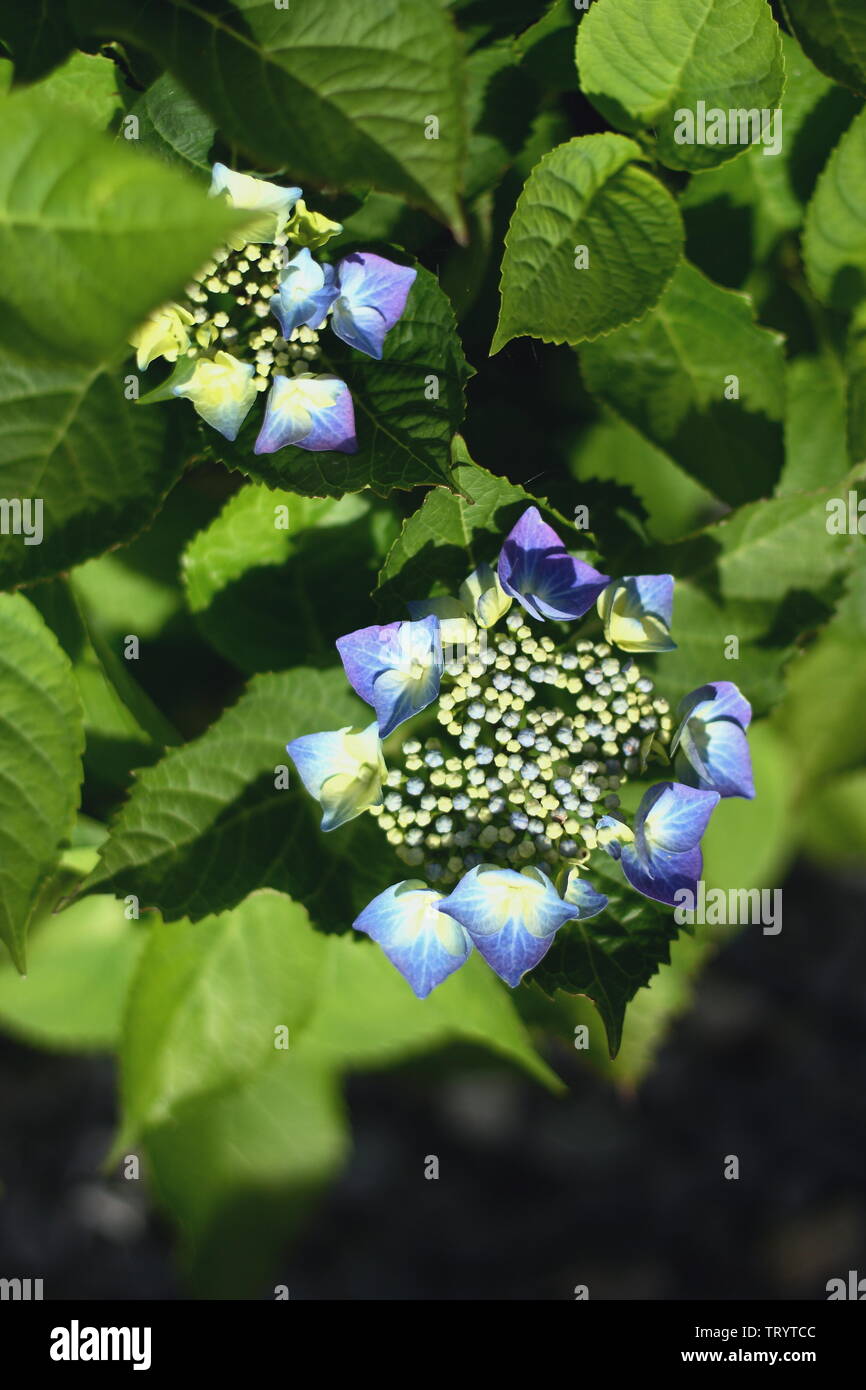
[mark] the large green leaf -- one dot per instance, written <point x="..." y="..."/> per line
<point x="815" y="423"/>
<point x="736" y="214"/>
<point x="822" y="714"/>
<point x="367" y="1016"/>
<point x="70" y="439"/>
<point x="80" y="965"/>
<point x="833" y="33"/>
<point x="208" y="1001"/>
<point x="407" y="408"/>
<point x="641" y="63"/>
<point x="239" y="1171"/>
<point x="270" y="596"/>
<point x="212" y="1001"/>
<point x="93" y="238"/>
<point x="670" y="375"/>
<point x="207" y="825"/>
<point x="587" y="194"/>
<point x="337" y="93"/>
<point x="834" y="243"/>
<point x="41" y="741"/>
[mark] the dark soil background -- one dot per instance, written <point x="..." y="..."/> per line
<point x="625" y="1194"/>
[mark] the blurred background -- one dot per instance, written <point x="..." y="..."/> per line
<point x="616" y="1186"/>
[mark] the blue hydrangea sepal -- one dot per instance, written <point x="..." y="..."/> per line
<point x="535" y="568"/>
<point x="423" y="942"/>
<point x="511" y="917"/>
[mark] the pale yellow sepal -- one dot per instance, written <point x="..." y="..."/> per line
<point x="484" y="596"/>
<point x="164" y="334"/>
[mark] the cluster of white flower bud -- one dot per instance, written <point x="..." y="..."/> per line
<point x="229" y="301"/>
<point x="536" y="743"/>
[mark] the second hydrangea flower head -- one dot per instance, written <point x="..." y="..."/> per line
<point x="252" y="319"/>
<point x="501" y="808"/>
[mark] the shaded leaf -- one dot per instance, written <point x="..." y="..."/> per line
<point x="41" y="741"/>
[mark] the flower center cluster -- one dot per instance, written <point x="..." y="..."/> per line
<point x="536" y="744"/>
<point x="230" y="298"/>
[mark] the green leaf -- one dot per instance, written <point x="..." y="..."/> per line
<point x="70" y="439"/>
<point x="94" y="238"/>
<point x="172" y="126"/>
<point x="239" y="1171"/>
<point x="81" y="961"/>
<point x="501" y="102"/>
<point x="367" y="1016"/>
<point x="834" y="242"/>
<point x="833" y="33"/>
<point x="822" y="714"/>
<point x="123" y="729"/>
<point x="86" y="84"/>
<point x="640" y="66"/>
<point x="208" y="1001"/>
<point x="736" y="214"/>
<point x="337" y="93"/>
<point x="670" y="375"/>
<point x="37" y="35"/>
<point x="41" y="741"/>
<point x="407" y="408"/>
<point x="207" y="825"/>
<point x="268" y="595"/>
<point x="450" y="533"/>
<point x="743" y="578"/>
<point x="815" y="423"/>
<point x="588" y="194"/>
<point x="609" y="957"/>
<point x="747" y="843"/>
<point x="833" y="821"/>
<point x="614" y="451"/>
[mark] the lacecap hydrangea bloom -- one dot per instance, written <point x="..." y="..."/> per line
<point x="498" y="812"/>
<point x="252" y="317"/>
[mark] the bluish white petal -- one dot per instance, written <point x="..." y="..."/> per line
<point x="672" y="817"/>
<point x="535" y="568"/>
<point x="395" y="667"/>
<point x="636" y="612"/>
<point x="418" y="938"/>
<point x="372" y="297"/>
<point x="664" y="874"/>
<point x="255" y="195"/>
<point x="313" y="412"/>
<point x="305" y="294"/>
<point x="716" y="700"/>
<point x="579" y="891"/>
<point x="717" y="755"/>
<point x="343" y="769"/>
<point x="511" y="917"/>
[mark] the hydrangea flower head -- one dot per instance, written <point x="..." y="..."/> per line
<point x="262" y="302"/>
<point x="507" y="754"/>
